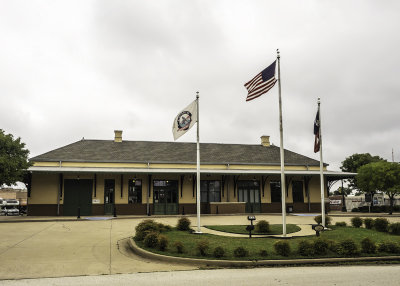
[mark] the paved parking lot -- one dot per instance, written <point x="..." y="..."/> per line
<point x="86" y="247"/>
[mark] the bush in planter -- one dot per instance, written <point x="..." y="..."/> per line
<point x="202" y="247"/>
<point x="394" y="228"/>
<point x="347" y="248"/>
<point x="368" y="246"/>
<point x="162" y="242"/>
<point x="151" y="239"/>
<point x="282" y="247"/>
<point x="240" y="252"/>
<point x="262" y="226"/>
<point x="305" y="248"/>
<point x="219" y="252"/>
<point x="183" y="224"/>
<point x="369" y="223"/>
<point x="321" y="246"/>
<point x="389" y="247"/>
<point x="145" y="227"/>
<point x="318" y="219"/>
<point x="179" y="247"/>
<point x="341" y="223"/>
<point x="263" y="253"/>
<point x="356" y="222"/>
<point x="381" y="224"/>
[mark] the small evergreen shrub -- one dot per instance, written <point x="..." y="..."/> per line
<point x="164" y="227"/>
<point x="347" y="248"/>
<point x="355" y="210"/>
<point x="356" y="222"/>
<point x="145" y="227"/>
<point x="389" y="247"/>
<point x="151" y="239"/>
<point x="263" y="253"/>
<point x="219" y="252"/>
<point x="332" y="245"/>
<point x="394" y="228"/>
<point x="202" y="247"/>
<point x="179" y="247"/>
<point x="321" y="246"/>
<point x="282" y="247"/>
<point x="262" y="226"/>
<point x="183" y="224"/>
<point x="240" y="252"/>
<point x="369" y="223"/>
<point x="305" y="248"/>
<point x="341" y="223"/>
<point x="318" y="219"/>
<point x="381" y="224"/>
<point x="368" y="246"/>
<point x="162" y="242"/>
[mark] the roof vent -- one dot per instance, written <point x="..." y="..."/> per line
<point x="118" y="136"/>
<point x="265" y="141"/>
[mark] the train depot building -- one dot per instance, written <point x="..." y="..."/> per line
<point x="100" y="177"/>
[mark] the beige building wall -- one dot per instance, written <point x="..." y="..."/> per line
<point x="44" y="189"/>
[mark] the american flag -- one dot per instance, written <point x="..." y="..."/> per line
<point x="317" y="143"/>
<point x="261" y="83"/>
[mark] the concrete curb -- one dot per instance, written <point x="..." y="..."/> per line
<point x="237" y="263"/>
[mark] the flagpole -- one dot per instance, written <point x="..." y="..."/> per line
<point x="283" y="183"/>
<point x="321" y="165"/>
<point x="198" y="166"/>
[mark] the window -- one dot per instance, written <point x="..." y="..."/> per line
<point x="249" y="191"/>
<point x="276" y="196"/>
<point x="297" y="190"/>
<point x="135" y="191"/>
<point x="210" y="191"/>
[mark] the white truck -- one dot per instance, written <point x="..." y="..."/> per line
<point x="9" y="207"/>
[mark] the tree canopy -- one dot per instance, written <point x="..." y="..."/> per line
<point x="354" y="162"/>
<point x="380" y="176"/>
<point x="13" y="159"/>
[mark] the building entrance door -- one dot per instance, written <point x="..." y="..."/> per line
<point x="165" y="194"/>
<point x="249" y="192"/>
<point x="109" y="196"/>
<point x="77" y="197"/>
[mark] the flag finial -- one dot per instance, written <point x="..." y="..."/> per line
<point x="197" y="94"/>
<point x="279" y="55"/>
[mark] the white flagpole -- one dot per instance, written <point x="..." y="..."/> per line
<point x="198" y="167"/>
<point x="283" y="183"/>
<point x="321" y="166"/>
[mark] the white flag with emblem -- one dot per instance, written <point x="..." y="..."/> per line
<point x="185" y="120"/>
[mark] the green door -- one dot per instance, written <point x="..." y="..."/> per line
<point x="249" y="192"/>
<point x="165" y="195"/>
<point x="109" y="196"/>
<point x="77" y="195"/>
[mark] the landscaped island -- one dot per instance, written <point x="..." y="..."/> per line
<point x="341" y="241"/>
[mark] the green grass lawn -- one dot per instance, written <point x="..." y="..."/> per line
<point x="241" y="229"/>
<point x="255" y="245"/>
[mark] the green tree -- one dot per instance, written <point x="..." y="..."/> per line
<point x="380" y="176"/>
<point x="13" y="159"/>
<point x="354" y="162"/>
<point x="338" y="192"/>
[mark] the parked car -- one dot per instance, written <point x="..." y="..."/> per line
<point x="10" y="210"/>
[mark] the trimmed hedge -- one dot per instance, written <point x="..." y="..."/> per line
<point x="282" y="247"/>
<point x="262" y="226"/>
<point x="381" y="224"/>
<point x="356" y="221"/>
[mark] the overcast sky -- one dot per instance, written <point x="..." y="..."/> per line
<point x="73" y="69"/>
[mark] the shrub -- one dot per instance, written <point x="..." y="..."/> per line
<point x="219" y="252"/>
<point x="341" y="223"/>
<point x="263" y="253"/>
<point x="145" y="227"/>
<point x="394" y="228"/>
<point x="355" y="210"/>
<point x="389" y="247"/>
<point x="305" y="248"/>
<point x="240" y="252"/>
<point x="262" y="226"/>
<point x="282" y="247"/>
<point x="369" y="223"/>
<point x="179" y="247"/>
<point x="151" y="239"/>
<point x="202" y="247"/>
<point x="381" y="224"/>
<point x="318" y="219"/>
<point x="183" y="224"/>
<point x="321" y="246"/>
<point x="347" y="248"/>
<point x="164" y="227"/>
<point x="368" y="246"/>
<point x="356" y="222"/>
<point x="162" y="242"/>
<point x="332" y="245"/>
